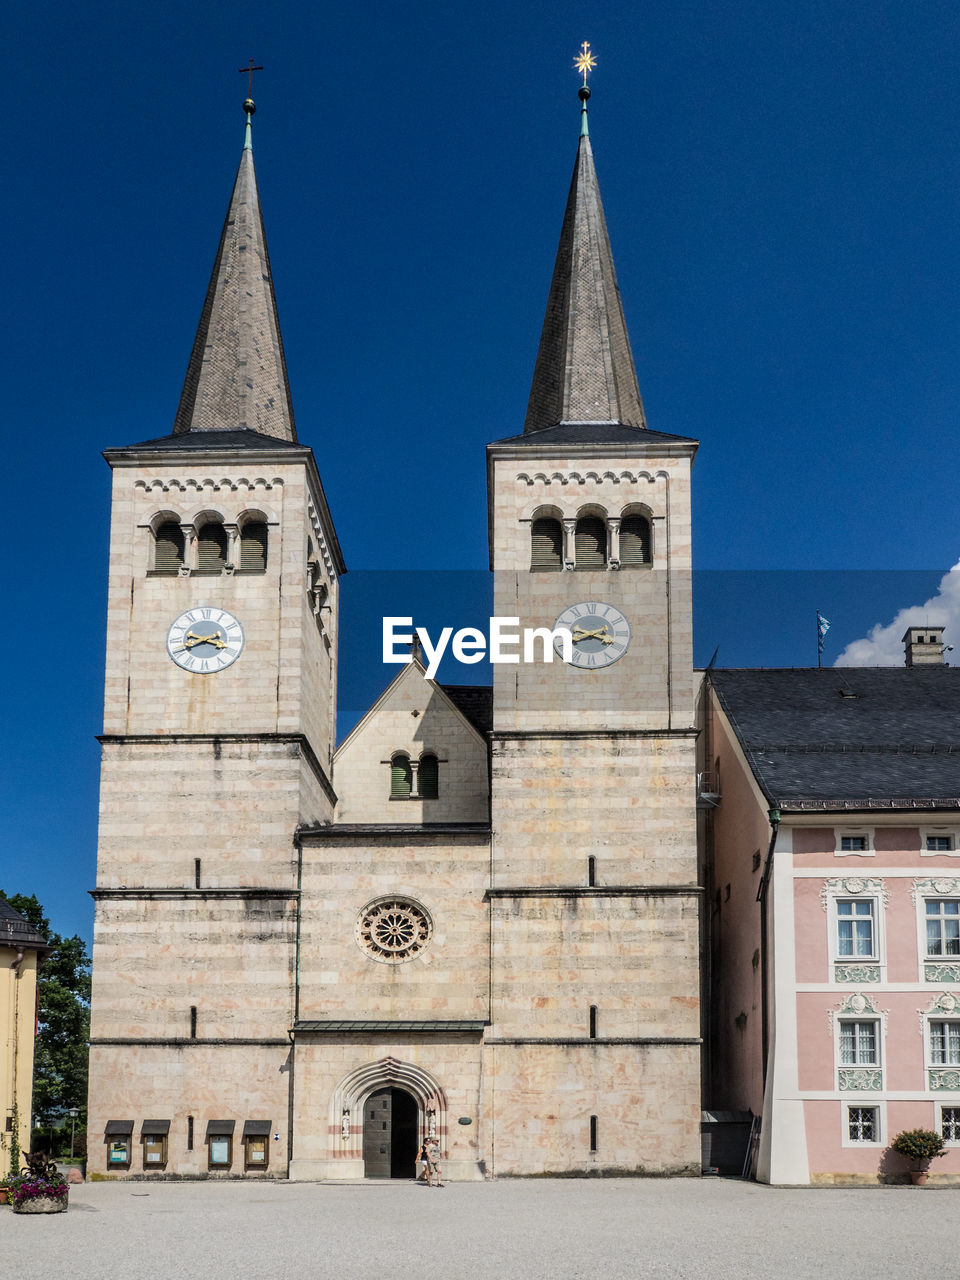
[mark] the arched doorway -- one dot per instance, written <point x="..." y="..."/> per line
<point x="390" y="1134"/>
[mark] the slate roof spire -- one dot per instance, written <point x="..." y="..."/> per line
<point x="237" y="374"/>
<point x="584" y="370"/>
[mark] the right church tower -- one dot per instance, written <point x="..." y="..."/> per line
<point x="594" y="894"/>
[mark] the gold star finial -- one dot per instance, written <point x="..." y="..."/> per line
<point x="585" y="61"/>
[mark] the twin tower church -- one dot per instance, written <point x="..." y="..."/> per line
<point x="478" y="917"/>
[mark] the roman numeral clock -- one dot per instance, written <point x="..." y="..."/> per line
<point x="601" y="634"/>
<point x="205" y="640"/>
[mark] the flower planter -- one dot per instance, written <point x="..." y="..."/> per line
<point x="919" y="1177"/>
<point x="41" y="1204"/>
<point x="4" y="1195"/>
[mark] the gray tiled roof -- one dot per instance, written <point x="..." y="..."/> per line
<point x="15" y="931"/>
<point x="194" y="439"/>
<point x="237" y="372"/>
<point x="568" y="433"/>
<point x="848" y="737"/>
<point x="584" y="370"/>
<point x="474" y="701"/>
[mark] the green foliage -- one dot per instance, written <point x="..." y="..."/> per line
<point x="63" y="998"/>
<point x="919" y="1144"/>
<point x="14" y="1166"/>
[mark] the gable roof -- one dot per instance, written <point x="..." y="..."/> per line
<point x="474" y="702"/>
<point x="848" y="737"/>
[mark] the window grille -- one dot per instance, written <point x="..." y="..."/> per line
<point x="546" y="545"/>
<point x="950" y="1124"/>
<point x="634" y="542"/>
<point x="168" y="555"/>
<point x="862" y="1122"/>
<point x="590" y="543"/>
<point x="253" y="547"/>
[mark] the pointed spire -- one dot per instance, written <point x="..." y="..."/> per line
<point x="237" y="374"/>
<point x="584" y="370"/>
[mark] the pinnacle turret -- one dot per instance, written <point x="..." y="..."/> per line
<point x="237" y="374"/>
<point x="584" y="370"/>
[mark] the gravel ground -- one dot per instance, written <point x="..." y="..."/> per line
<point x="545" y="1229"/>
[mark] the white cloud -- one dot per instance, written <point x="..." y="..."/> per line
<point x="883" y="647"/>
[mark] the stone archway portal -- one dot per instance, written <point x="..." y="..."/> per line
<point x="390" y="1130"/>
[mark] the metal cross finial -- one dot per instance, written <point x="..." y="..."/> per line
<point x="585" y="61"/>
<point x="249" y="70"/>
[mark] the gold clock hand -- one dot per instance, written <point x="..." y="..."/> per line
<point x="600" y="634"/>
<point x="192" y="638"/>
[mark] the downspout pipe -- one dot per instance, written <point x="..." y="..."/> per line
<point x="773" y="817"/>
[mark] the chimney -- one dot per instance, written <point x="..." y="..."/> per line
<point x="924" y="647"/>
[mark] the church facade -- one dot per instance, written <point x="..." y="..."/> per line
<point x="478" y="917"/>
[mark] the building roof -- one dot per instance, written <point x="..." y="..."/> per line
<point x="593" y="433"/>
<point x="474" y="702"/>
<point x="848" y="737"/>
<point x="16" y="932"/>
<point x="237" y="373"/>
<point x="584" y="370"/>
<point x="242" y="438"/>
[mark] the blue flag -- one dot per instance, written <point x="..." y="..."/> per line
<point x="823" y="626"/>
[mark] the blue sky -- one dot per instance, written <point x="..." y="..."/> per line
<point x="781" y="185"/>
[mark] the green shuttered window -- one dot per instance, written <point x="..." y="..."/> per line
<point x="401" y="776"/>
<point x="428" y="777"/>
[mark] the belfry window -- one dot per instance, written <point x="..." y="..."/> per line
<point x="168" y="548"/>
<point x="546" y="545"/>
<point x="590" y="543"/>
<point x="401" y="778"/>
<point x="428" y="777"/>
<point x="211" y="548"/>
<point x="634" y="542"/>
<point x="253" y="547"/>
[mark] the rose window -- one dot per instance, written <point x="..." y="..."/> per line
<point x="393" y="929"/>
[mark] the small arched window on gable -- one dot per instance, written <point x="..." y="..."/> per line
<point x="211" y="548"/>
<point x="591" y="543"/>
<point x="168" y="548"/>
<point x="401" y="778"/>
<point x="635" y="548"/>
<point x="546" y="545"/>
<point x="428" y="777"/>
<point x="253" y="547"/>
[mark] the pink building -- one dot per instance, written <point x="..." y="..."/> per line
<point x="830" y="803"/>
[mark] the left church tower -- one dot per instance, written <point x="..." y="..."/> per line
<point x="219" y="728"/>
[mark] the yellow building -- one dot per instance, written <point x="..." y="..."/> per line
<point x="21" y="947"/>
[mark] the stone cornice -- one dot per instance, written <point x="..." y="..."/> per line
<point x="299" y="739"/>
<point x="179" y="1042"/>
<point x="502" y="734"/>
<point x="598" y="891"/>
<point x="586" y="1042"/>
<point x="201" y="894"/>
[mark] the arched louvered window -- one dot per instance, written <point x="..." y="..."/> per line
<point x="211" y="548"/>
<point x="546" y="545"/>
<point x="428" y="777"/>
<point x="591" y="543"/>
<point x="634" y="541"/>
<point x="168" y="555"/>
<point x="401" y="777"/>
<point x="253" y="547"/>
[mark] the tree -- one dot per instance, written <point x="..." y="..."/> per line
<point x="63" y="1016"/>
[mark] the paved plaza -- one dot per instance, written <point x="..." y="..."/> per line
<point x="543" y="1229"/>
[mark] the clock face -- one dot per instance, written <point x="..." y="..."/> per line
<point x="600" y="633"/>
<point x="204" y="640"/>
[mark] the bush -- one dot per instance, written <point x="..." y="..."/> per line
<point x="919" y="1144"/>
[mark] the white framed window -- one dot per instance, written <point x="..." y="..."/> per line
<point x="854" y="842"/>
<point x="938" y="840"/>
<point x="949" y="1125"/>
<point x="942" y="927"/>
<point x="862" y="1126"/>
<point x="943" y="1042"/>
<point x="856" y="937"/>
<point x="859" y="1043"/>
